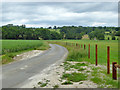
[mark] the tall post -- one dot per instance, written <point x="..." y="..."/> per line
<point x="108" y="60"/>
<point x="114" y="71"/>
<point x="76" y="44"/>
<point x="96" y="54"/>
<point x="84" y="46"/>
<point x="81" y="45"/>
<point x="89" y="51"/>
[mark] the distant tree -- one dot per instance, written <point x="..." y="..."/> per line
<point x="11" y="31"/>
<point x="100" y="36"/>
<point x="49" y="27"/>
<point x="113" y="37"/>
<point x="54" y="27"/>
<point x="118" y="33"/>
<point x="91" y="35"/>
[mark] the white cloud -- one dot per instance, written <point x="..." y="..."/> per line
<point x="50" y="14"/>
<point x="98" y="24"/>
<point x="60" y="1"/>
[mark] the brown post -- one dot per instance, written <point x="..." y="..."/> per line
<point x="84" y="46"/>
<point x="114" y="71"/>
<point x="89" y="51"/>
<point x="108" y="60"/>
<point x="76" y="44"/>
<point x="96" y="54"/>
<point x="81" y="45"/>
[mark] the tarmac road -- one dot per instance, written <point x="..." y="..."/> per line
<point x="14" y="74"/>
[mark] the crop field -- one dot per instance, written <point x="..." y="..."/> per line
<point x="19" y="45"/>
<point x="102" y="49"/>
<point x="11" y="48"/>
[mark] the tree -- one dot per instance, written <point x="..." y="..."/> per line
<point x="54" y="27"/>
<point x="100" y="36"/>
<point x="49" y="27"/>
<point x="113" y="37"/>
<point x="118" y="33"/>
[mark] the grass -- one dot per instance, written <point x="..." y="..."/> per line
<point x="102" y="49"/>
<point x="56" y="86"/>
<point x="98" y="75"/>
<point x="75" y="77"/>
<point x="103" y="79"/>
<point x="11" y="48"/>
<point x="43" y="85"/>
<point x="81" y="69"/>
<point x="76" y="66"/>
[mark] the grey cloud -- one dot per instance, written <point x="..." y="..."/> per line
<point x="59" y="13"/>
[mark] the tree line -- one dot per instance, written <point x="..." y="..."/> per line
<point x="11" y="31"/>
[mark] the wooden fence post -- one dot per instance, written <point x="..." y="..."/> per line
<point x="96" y="54"/>
<point x="108" y="60"/>
<point x="114" y="71"/>
<point x="76" y="44"/>
<point x="81" y="45"/>
<point x="89" y="51"/>
<point x="84" y="46"/>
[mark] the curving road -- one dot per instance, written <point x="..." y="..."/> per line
<point x="16" y="73"/>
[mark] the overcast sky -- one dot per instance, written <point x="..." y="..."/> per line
<point x="38" y="14"/>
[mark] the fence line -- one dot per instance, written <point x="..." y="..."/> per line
<point x="114" y="64"/>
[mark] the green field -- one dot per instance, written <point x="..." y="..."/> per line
<point x="19" y="45"/>
<point x="11" y="48"/>
<point x="98" y="74"/>
<point x="102" y="49"/>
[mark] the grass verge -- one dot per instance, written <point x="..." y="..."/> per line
<point x="96" y="74"/>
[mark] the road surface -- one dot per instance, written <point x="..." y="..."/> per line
<point x="16" y="73"/>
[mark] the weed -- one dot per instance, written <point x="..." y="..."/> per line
<point x="81" y="69"/>
<point x="39" y="83"/>
<point x="56" y="86"/>
<point x="75" y="77"/>
<point x="43" y="85"/>
<point x="81" y="83"/>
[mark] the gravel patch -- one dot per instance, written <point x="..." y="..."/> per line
<point x="27" y="55"/>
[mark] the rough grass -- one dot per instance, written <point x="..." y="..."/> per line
<point x="75" y="77"/>
<point x="100" y="77"/>
<point x="102" y="49"/>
